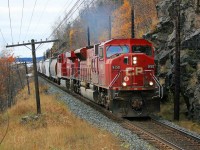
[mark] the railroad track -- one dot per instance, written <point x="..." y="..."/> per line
<point x="151" y="130"/>
<point x="173" y="137"/>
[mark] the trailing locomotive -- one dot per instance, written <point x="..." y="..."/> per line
<point x="118" y="74"/>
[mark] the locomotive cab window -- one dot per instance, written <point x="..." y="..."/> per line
<point x="142" y="49"/>
<point x="100" y="52"/>
<point x="116" y="50"/>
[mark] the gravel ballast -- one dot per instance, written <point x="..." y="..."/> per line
<point x="99" y="120"/>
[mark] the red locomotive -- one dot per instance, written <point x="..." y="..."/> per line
<point x="118" y="74"/>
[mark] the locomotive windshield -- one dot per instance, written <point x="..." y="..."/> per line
<point x="116" y="50"/>
<point x="142" y="49"/>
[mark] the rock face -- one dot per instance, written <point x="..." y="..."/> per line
<point x="163" y="38"/>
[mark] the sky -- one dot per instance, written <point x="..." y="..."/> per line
<point x="40" y="26"/>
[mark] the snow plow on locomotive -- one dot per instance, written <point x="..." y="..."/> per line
<point x="118" y="74"/>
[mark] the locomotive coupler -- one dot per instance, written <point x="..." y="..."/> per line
<point x="136" y="103"/>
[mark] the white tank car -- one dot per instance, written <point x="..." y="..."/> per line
<point x="53" y="68"/>
<point x="47" y="69"/>
<point x="40" y="66"/>
<point x="43" y="68"/>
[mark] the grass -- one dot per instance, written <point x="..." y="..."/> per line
<point x="55" y="129"/>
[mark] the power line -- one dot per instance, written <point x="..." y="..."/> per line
<point x="3" y="36"/>
<point x="41" y="15"/>
<point x="63" y="11"/>
<point x="70" y="2"/>
<point x="10" y="20"/>
<point x="21" y="20"/>
<point x="31" y="18"/>
<point x="66" y="17"/>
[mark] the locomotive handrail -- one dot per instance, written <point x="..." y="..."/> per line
<point x="159" y="85"/>
<point x="116" y="77"/>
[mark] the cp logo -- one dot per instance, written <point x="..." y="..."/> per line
<point x="131" y="71"/>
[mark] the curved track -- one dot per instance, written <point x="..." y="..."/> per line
<point x="173" y="137"/>
<point x="150" y="130"/>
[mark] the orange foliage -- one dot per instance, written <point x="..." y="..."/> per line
<point x="5" y="63"/>
<point x="11" y="59"/>
<point x="121" y="27"/>
<point x="145" y="18"/>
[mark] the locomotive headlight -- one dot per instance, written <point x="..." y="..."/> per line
<point x="124" y="83"/>
<point x="134" y="60"/>
<point x="151" y="83"/>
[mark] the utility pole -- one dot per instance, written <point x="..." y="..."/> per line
<point x="88" y="35"/>
<point x="177" y="63"/>
<point x="132" y="20"/>
<point x="34" y="68"/>
<point x="37" y="93"/>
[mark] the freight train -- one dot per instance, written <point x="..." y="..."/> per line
<point x="118" y="74"/>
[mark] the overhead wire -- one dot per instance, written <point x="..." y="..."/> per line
<point x="10" y="20"/>
<point x="31" y="19"/>
<point x="62" y="10"/>
<point x="45" y="6"/>
<point x="66" y="17"/>
<point x="21" y="20"/>
<point x="81" y="12"/>
<point x="70" y="2"/>
<point x="3" y="37"/>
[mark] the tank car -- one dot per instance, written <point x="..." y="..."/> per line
<point x="53" y="70"/>
<point x="46" y="66"/>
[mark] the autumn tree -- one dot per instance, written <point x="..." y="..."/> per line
<point x="121" y="27"/>
<point x="145" y="16"/>
<point x="73" y="35"/>
<point x="12" y="75"/>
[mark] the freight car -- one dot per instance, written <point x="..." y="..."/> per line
<point x="118" y="74"/>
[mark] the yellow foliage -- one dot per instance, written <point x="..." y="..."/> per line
<point x="72" y="37"/>
<point x="145" y="18"/>
<point x="122" y="21"/>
